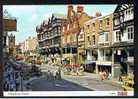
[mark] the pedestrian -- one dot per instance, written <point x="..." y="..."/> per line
<point x="120" y="78"/>
<point x="109" y="77"/>
<point x="104" y="75"/>
<point x="55" y="74"/>
<point x="48" y="75"/>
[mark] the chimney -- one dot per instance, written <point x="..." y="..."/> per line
<point x="80" y="9"/>
<point x="70" y="9"/>
<point x="98" y="14"/>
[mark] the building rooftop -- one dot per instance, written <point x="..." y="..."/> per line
<point x="59" y="16"/>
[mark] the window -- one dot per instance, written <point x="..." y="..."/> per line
<point x="93" y="24"/>
<point x="126" y="12"/>
<point x="63" y="29"/>
<point x="100" y="24"/>
<point x="101" y="37"/>
<point x="106" y="36"/>
<point x="88" y="26"/>
<point x="74" y="25"/>
<point x="116" y="21"/>
<point x="88" y="38"/>
<point x="107" y="22"/>
<point x="59" y="29"/>
<point x="93" y="37"/>
<point x="130" y="33"/>
<point x="71" y="38"/>
<point x="118" y="36"/>
<point x="81" y="36"/>
<point x="68" y="27"/>
<point x="89" y="41"/>
<point x="121" y="18"/>
<point x="129" y="12"/>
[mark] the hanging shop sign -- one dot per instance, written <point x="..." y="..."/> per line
<point x="10" y="25"/>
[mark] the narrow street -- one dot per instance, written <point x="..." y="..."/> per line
<point x="88" y="82"/>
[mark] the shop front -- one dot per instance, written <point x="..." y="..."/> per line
<point x="123" y="59"/>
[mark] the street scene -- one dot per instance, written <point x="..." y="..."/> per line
<point x="68" y="47"/>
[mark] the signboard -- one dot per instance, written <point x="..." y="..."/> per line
<point x="10" y="25"/>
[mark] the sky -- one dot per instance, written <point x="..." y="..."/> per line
<point x="29" y="16"/>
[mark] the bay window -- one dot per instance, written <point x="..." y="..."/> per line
<point x="130" y="31"/>
<point x="103" y="37"/>
<point x="118" y="36"/>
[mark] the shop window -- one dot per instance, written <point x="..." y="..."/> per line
<point x="131" y="52"/>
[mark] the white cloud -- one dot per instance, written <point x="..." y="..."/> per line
<point x="34" y="18"/>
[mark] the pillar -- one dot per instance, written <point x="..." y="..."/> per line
<point x="128" y="66"/>
<point x="112" y="67"/>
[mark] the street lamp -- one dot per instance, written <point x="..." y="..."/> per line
<point x="21" y="80"/>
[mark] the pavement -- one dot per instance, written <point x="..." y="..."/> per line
<point x="93" y="81"/>
<point x="43" y="84"/>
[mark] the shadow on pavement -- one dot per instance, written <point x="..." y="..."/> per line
<point x="56" y="85"/>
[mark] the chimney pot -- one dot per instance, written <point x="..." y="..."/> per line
<point x="80" y="9"/>
<point x="70" y="9"/>
<point x="98" y="14"/>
